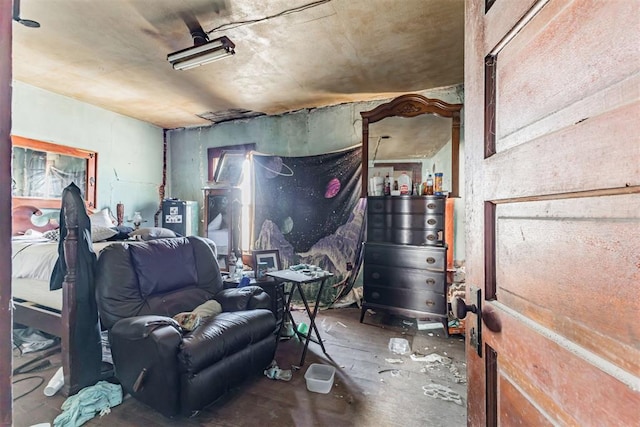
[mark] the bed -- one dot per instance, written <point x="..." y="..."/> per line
<point x="34" y="256"/>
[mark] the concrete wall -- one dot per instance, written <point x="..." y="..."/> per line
<point x="300" y="133"/>
<point x="129" y="150"/>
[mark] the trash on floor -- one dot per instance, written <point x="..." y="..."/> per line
<point x="457" y="376"/>
<point x="275" y="373"/>
<point x="424" y="325"/>
<point x="394" y="372"/>
<point x="29" y="340"/>
<point x="394" y="361"/>
<point x="55" y="383"/>
<point x="431" y="358"/>
<point x="438" y="391"/>
<point x="399" y="346"/>
<point x="319" y="378"/>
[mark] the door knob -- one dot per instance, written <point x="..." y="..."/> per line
<point x="491" y="319"/>
<point x="461" y="308"/>
<point x="488" y="315"/>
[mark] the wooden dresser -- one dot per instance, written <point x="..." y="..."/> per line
<point x="405" y="257"/>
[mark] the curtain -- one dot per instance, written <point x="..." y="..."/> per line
<point x="309" y="208"/>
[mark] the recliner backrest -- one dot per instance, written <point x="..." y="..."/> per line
<point x="162" y="277"/>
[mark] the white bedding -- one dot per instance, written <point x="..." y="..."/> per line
<point x="32" y="263"/>
<point x="221" y="238"/>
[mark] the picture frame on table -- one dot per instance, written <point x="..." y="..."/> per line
<point x="270" y="256"/>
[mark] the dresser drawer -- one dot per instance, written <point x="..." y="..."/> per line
<point x="419" y="257"/>
<point x="418" y="205"/>
<point x="378" y="204"/>
<point x="420" y="221"/>
<point x="405" y="236"/>
<point x="379" y="220"/>
<point x="378" y="235"/>
<point x="424" y="301"/>
<point x="404" y="278"/>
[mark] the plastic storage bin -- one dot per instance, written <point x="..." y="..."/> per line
<point x="319" y="378"/>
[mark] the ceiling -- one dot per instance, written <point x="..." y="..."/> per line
<point x="290" y="54"/>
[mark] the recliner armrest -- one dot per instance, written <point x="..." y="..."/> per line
<point x="245" y="298"/>
<point x="140" y="327"/>
<point x="145" y="356"/>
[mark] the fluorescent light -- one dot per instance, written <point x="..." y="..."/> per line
<point x="202" y="54"/>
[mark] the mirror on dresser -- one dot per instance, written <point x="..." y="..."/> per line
<point x="409" y="244"/>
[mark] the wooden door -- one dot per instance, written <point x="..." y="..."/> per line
<point x="552" y="145"/>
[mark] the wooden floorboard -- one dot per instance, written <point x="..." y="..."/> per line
<point x="369" y="388"/>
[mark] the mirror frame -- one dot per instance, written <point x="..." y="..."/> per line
<point x="54" y="203"/>
<point x="412" y="105"/>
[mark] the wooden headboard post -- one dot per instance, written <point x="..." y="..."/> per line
<point x="69" y="299"/>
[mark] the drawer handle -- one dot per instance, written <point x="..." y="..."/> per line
<point x="430" y="303"/>
<point x="431" y="221"/>
<point x="431" y="237"/>
<point x="375" y="295"/>
<point x="431" y="281"/>
<point x="431" y="206"/>
<point x="431" y="260"/>
<point x="376" y="275"/>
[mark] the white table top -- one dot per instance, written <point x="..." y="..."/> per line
<point x="299" y="276"/>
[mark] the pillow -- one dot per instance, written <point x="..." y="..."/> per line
<point x="101" y="219"/>
<point x="52" y="234"/>
<point x="151" y="233"/>
<point x="99" y="234"/>
<point x="122" y="232"/>
<point x="216" y="223"/>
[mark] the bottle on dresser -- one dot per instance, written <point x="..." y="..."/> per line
<point x="429" y="188"/>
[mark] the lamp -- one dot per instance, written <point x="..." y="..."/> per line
<point x="201" y="54"/>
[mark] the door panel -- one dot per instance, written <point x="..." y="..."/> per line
<point x="599" y="153"/>
<point x="517" y="407"/>
<point x="565" y="381"/>
<point x="552" y="147"/>
<point x="554" y="263"/>
<point x="566" y="36"/>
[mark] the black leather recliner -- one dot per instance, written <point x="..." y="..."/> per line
<point x="140" y="286"/>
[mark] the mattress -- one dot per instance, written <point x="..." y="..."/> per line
<point x="32" y="263"/>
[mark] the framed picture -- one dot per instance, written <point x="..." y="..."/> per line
<point x="229" y="168"/>
<point x="270" y="257"/>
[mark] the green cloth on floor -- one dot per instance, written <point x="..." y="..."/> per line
<point x="81" y="407"/>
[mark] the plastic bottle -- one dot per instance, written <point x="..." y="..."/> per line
<point x="430" y="185"/>
<point x="232" y="265"/>
<point x="404" y="184"/>
<point x="239" y="267"/>
<point x="387" y="185"/>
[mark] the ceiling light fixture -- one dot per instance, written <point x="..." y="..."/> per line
<point x="203" y="52"/>
<point x="26" y="22"/>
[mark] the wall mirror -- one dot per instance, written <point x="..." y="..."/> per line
<point x="41" y="170"/>
<point x="415" y="134"/>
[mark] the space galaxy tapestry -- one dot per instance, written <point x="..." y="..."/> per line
<point x="309" y="208"/>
